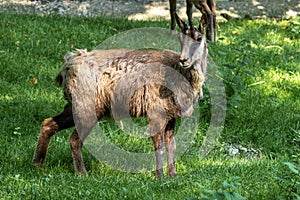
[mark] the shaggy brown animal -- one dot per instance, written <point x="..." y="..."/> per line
<point x="208" y="10"/>
<point x="165" y="85"/>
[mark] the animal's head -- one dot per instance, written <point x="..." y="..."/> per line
<point x="193" y="44"/>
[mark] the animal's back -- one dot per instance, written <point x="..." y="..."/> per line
<point x="118" y="76"/>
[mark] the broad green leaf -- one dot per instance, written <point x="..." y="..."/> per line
<point x="228" y="195"/>
<point x="222" y="53"/>
<point x="249" y="72"/>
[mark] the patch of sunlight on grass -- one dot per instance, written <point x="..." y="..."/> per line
<point x="281" y="83"/>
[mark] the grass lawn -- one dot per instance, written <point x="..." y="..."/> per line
<point x="260" y="64"/>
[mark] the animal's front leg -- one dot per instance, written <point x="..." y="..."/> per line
<point x="171" y="147"/>
<point x="158" y="142"/>
<point x="157" y="125"/>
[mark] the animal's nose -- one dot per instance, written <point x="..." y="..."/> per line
<point x="183" y="60"/>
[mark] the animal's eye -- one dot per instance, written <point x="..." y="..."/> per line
<point x="199" y="38"/>
<point x="185" y="26"/>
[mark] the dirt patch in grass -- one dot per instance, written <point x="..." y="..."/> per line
<point x="151" y="9"/>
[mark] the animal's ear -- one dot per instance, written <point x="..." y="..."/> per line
<point x="182" y="25"/>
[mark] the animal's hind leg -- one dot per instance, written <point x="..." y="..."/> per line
<point x="51" y="126"/>
<point x="171" y="146"/>
<point x="76" y="148"/>
<point x="76" y="141"/>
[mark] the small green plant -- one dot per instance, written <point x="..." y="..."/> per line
<point x="228" y="191"/>
<point x="233" y="76"/>
<point x="291" y="180"/>
<point x="17" y="131"/>
<point x="294" y="27"/>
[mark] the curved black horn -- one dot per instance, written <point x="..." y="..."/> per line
<point x="182" y="24"/>
<point x="202" y="24"/>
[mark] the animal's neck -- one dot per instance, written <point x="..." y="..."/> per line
<point x="194" y="77"/>
<point x="196" y="81"/>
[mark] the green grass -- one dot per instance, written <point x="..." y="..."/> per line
<point x="267" y="118"/>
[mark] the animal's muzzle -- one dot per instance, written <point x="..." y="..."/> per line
<point x="184" y="62"/>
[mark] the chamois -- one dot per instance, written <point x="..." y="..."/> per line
<point x="96" y="75"/>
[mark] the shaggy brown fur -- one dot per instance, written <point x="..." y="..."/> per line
<point x="98" y="84"/>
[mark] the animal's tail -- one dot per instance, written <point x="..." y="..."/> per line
<point x="59" y="78"/>
<point x="66" y="66"/>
